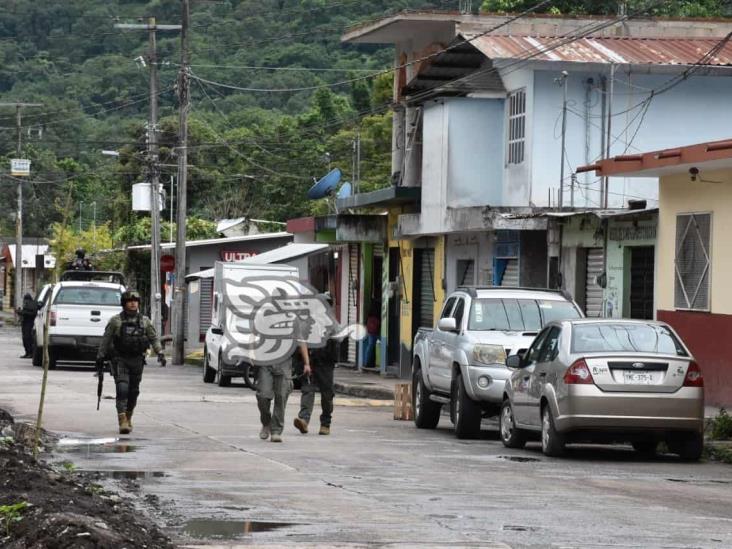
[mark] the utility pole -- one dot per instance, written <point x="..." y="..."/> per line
<point x="19" y="213"/>
<point x="153" y="168"/>
<point x="563" y="81"/>
<point x="178" y="324"/>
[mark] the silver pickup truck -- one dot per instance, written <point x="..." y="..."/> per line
<point x="462" y="362"/>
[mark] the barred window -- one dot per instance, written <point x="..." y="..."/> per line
<point x="516" y="126"/>
<point x="692" y="262"/>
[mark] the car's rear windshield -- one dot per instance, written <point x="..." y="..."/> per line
<point x="518" y="315"/>
<point x="625" y="337"/>
<point x="88" y="296"/>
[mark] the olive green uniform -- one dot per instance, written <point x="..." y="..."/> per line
<point x="126" y="339"/>
<point x="274" y="382"/>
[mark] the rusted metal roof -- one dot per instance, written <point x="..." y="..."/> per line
<point x="603" y="49"/>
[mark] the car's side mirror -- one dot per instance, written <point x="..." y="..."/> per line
<point x="514" y="361"/>
<point x="447" y="324"/>
<point x="217" y="331"/>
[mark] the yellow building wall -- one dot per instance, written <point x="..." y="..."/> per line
<point x="679" y="195"/>
<point x="439" y="276"/>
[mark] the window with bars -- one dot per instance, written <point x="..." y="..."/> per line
<point x="692" y="262"/>
<point x="516" y="126"/>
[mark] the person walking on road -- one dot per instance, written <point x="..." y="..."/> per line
<point x="127" y="338"/>
<point x="274" y="382"/>
<point x="318" y="376"/>
<point x="28" y="315"/>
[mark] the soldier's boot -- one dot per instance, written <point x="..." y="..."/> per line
<point x="324" y="430"/>
<point x="129" y="419"/>
<point x="124" y="426"/>
<point x="301" y="425"/>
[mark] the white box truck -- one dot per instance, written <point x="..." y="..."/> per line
<point x="237" y="291"/>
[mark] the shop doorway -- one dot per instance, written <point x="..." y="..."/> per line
<point x="642" y="260"/>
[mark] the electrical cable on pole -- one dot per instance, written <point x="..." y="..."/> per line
<point x="177" y="314"/>
<point x="153" y="165"/>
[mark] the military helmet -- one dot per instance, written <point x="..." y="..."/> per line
<point x="129" y="295"/>
<point x="80" y="253"/>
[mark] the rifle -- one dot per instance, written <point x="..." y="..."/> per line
<point x="100" y="382"/>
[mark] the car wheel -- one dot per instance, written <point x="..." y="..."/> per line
<point x="689" y="447"/>
<point x="646" y="447"/>
<point x="37" y="354"/>
<point x="426" y="411"/>
<point x="466" y="413"/>
<point x="209" y="374"/>
<point x="511" y="436"/>
<point x="552" y="443"/>
<point x="251" y="376"/>
<point x="221" y="379"/>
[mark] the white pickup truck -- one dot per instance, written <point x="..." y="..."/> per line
<point x="462" y="362"/>
<point x="79" y="311"/>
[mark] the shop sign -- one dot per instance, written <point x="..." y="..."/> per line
<point x="232" y="255"/>
<point x="632" y="233"/>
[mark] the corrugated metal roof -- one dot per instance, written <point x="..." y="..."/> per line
<point x="604" y="49"/>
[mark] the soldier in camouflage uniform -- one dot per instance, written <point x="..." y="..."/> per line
<point x="127" y="338"/>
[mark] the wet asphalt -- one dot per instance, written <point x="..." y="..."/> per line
<point x="195" y="463"/>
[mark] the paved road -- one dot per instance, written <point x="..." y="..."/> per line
<point x="374" y="481"/>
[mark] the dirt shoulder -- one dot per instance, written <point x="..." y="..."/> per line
<point x="42" y="507"/>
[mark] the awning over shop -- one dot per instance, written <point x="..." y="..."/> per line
<point x="278" y="255"/>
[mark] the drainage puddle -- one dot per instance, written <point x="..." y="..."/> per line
<point x="229" y="529"/>
<point x="519" y="459"/>
<point x="94" y="446"/>
<point x="127" y="475"/>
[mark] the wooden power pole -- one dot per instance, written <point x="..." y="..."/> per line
<point x="18" y="268"/>
<point x="178" y="319"/>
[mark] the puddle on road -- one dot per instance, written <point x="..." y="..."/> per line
<point x="519" y="459"/>
<point x="127" y="475"/>
<point x="230" y="529"/>
<point x="699" y="481"/>
<point x="94" y="446"/>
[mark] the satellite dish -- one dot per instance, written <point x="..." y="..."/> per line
<point x="326" y="185"/>
<point x="345" y="191"/>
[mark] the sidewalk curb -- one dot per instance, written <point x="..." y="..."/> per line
<point x="372" y="393"/>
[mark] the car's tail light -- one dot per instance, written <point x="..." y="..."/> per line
<point x="52" y="320"/>
<point x="578" y="374"/>
<point x="694" y="377"/>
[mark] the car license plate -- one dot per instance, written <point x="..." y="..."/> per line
<point x="640" y="378"/>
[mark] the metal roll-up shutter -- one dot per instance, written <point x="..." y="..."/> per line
<point x="424" y="290"/>
<point x="593" y="292"/>
<point x="511" y="274"/>
<point x="206" y="305"/>
<point x="353" y="286"/>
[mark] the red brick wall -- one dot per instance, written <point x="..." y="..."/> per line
<point x="709" y="337"/>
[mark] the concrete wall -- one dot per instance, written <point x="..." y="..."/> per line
<point x="679" y="195"/>
<point x="678" y="117"/>
<point x="475" y="152"/>
<point x="477" y="246"/>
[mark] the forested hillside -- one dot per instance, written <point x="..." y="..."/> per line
<point x="276" y="101"/>
<point x="252" y="152"/>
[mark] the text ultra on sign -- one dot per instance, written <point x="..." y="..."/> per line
<point x="20" y="167"/>
<point x="230" y="255"/>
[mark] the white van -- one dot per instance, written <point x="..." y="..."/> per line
<point x="229" y="280"/>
